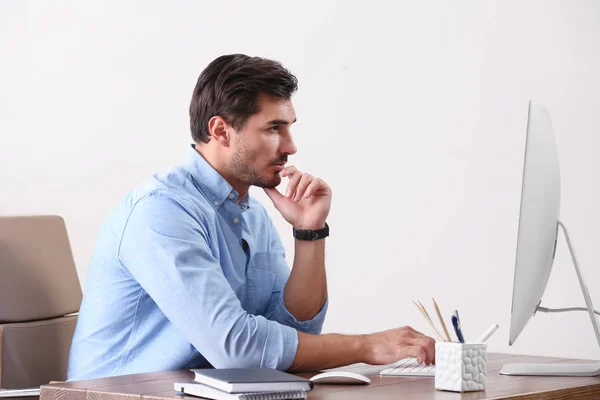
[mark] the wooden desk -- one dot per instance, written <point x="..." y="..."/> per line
<point x="159" y="386"/>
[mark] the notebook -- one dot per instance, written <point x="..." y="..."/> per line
<point x="29" y="392"/>
<point x="244" y="380"/>
<point x="200" y="390"/>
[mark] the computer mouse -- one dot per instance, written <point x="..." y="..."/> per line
<point x="341" y="378"/>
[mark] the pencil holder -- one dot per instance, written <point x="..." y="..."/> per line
<point x="460" y="367"/>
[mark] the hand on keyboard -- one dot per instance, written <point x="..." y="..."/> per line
<point x="409" y="367"/>
<point x="395" y="344"/>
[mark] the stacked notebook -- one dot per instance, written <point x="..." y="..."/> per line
<point x="29" y="392"/>
<point x="245" y="384"/>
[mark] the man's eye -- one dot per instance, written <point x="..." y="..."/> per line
<point x="275" y="128"/>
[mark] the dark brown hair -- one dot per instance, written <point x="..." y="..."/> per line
<point x="229" y="87"/>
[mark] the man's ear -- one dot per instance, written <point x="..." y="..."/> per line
<point x="220" y="130"/>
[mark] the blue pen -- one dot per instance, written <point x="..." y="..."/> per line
<point x="457" y="330"/>
<point x="459" y="325"/>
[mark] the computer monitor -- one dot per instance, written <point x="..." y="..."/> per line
<point x="537" y="241"/>
<point x="538" y="219"/>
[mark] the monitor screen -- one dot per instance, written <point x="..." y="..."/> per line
<point x="538" y="219"/>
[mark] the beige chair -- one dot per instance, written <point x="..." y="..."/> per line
<point x="39" y="288"/>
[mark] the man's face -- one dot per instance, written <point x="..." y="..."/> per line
<point x="261" y="148"/>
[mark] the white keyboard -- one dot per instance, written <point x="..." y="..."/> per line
<point x="409" y="367"/>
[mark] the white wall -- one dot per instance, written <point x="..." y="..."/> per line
<point x="414" y="112"/>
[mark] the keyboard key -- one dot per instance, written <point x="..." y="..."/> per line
<point x="409" y="367"/>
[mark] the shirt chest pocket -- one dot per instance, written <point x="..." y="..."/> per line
<point x="260" y="280"/>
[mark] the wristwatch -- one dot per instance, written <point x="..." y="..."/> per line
<point x="308" y="234"/>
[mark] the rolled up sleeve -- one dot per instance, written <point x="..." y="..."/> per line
<point x="277" y="311"/>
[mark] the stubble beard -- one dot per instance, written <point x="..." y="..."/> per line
<point x="242" y="170"/>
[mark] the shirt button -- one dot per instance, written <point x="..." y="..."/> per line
<point x="236" y="220"/>
<point x="231" y="195"/>
<point x="217" y="204"/>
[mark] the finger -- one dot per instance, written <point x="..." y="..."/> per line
<point x="291" y="187"/>
<point x="288" y="171"/>
<point x="416" y="338"/>
<point x="430" y="349"/>
<point x="274" y="195"/>
<point x="417" y="351"/>
<point x="428" y="345"/>
<point x="315" y="185"/>
<point x="302" y="185"/>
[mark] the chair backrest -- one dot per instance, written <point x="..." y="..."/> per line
<point x="39" y="287"/>
<point x="38" y="278"/>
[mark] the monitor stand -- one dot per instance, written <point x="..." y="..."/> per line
<point x="548" y="369"/>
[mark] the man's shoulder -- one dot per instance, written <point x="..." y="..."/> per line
<point x="168" y="188"/>
<point x="171" y="180"/>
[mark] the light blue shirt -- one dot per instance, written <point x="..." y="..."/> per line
<point x="170" y="286"/>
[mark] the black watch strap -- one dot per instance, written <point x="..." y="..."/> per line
<point x="308" y="234"/>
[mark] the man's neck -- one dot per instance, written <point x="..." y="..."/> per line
<point x="218" y="166"/>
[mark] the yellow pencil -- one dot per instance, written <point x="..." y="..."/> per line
<point x="439" y="314"/>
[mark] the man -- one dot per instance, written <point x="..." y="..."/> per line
<point x="189" y="271"/>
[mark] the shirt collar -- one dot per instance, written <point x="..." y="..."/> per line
<point x="214" y="187"/>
